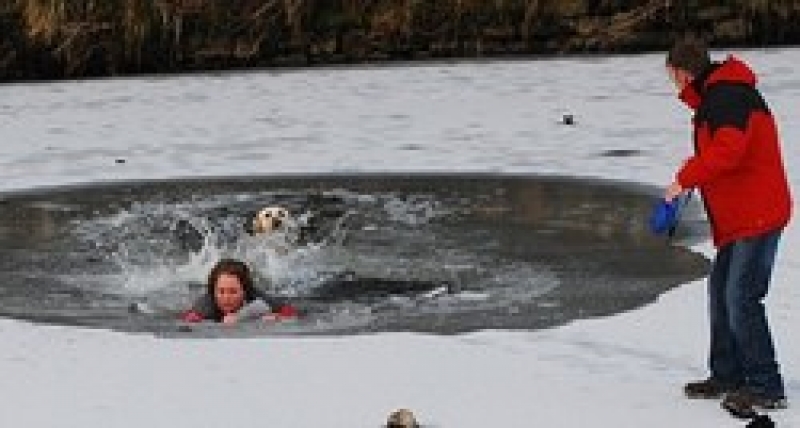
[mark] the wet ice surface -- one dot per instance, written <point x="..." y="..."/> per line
<point x="428" y="253"/>
<point x="490" y="117"/>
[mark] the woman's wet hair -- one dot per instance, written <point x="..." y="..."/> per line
<point x="236" y="268"/>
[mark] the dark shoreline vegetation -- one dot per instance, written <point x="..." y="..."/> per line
<point x="54" y="39"/>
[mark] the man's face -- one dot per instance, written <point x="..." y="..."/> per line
<point x="679" y="78"/>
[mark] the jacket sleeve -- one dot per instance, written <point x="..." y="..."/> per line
<point x="725" y="114"/>
<point x="723" y="154"/>
<point x="191" y="316"/>
<point x="281" y="307"/>
<point x="287" y="311"/>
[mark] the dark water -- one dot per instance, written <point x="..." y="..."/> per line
<point x="436" y="253"/>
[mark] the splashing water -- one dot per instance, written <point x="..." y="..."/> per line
<point x="357" y="254"/>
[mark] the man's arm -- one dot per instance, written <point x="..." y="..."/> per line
<point x="722" y="155"/>
<point x="726" y="114"/>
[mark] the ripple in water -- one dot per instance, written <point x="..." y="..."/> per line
<point x="438" y="253"/>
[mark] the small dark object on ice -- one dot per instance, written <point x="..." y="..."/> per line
<point x="120" y="161"/>
<point x="568" y="119"/>
<point x="402" y="418"/>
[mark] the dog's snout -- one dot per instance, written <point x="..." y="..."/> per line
<point x="276" y="223"/>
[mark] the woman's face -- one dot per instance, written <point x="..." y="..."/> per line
<point x="229" y="293"/>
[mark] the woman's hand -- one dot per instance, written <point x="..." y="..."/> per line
<point x="286" y="312"/>
<point x="230" y="319"/>
<point x="191" y="316"/>
<point x="271" y="317"/>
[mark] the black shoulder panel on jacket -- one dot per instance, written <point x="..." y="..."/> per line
<point x="730" y="104"/>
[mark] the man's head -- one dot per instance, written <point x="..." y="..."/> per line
<point x="686" y="60"/>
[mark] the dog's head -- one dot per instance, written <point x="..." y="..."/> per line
<point x="402" y="418"/>
<point x="270" y="219"/>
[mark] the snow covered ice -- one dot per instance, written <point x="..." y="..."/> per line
<point x="505" y="117"/>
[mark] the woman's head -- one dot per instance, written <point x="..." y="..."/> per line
<point x="231" y="285"/>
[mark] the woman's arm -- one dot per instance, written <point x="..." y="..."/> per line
<point x="253" y="310"/>
<point x="284" y="312"/>
<point x="202" y="309"/>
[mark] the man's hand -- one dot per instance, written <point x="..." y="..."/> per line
<point x="673" y="191"/>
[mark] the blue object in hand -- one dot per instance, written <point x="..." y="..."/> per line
<point x="664" y="217"/>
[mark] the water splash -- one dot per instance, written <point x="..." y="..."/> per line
<point x="358" y="254"/>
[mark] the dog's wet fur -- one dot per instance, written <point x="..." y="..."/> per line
<point x="302" y="224"/>
<point x="311" y="221"/>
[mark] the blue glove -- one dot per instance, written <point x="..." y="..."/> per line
<point x="664" y="217"/>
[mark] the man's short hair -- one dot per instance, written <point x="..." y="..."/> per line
<point x="689" y="54"/>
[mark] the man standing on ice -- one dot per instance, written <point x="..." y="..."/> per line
<point x="738" y="169"/>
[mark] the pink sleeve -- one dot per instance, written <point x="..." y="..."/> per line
<point x="287" y="311"/>
<point x="191" y="316"/>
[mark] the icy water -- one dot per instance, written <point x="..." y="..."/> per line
<point x="430" y="180"/>
<point x="364" y="253"/>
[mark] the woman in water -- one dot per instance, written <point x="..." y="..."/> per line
<point x="231" y="297"/>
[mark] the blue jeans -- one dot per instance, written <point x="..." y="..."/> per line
<point x="742" y="351"/>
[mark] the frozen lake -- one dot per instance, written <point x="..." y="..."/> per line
<point x="382" y="252"/>
<point x="479" y="117"/>
<point x="486" y="118"/>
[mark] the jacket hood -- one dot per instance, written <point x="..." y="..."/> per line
<point x="732" y="70"/>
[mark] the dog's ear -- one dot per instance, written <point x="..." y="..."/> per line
<point x="249" y="227"/>
<point x="249" y="222"/>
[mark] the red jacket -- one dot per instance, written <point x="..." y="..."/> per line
<point x="737" y="163"/>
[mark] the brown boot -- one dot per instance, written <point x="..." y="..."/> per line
<point x="744" y="404"/>
<point x="707" y="389"/>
